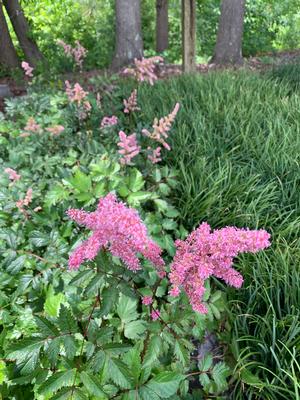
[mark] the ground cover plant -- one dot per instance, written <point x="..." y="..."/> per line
<point x="102" y="330"/>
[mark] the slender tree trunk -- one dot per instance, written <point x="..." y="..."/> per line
<point x="189" y="35"/>
<point x="129" y="42"/>
<point x="162" y="25"/>
<point x="8" y="55"/>
<point x="21" y="27"/>
<point x="228" y="48"/>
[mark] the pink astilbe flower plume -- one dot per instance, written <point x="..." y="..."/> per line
<point x="56" y="130"/>
<point x="117" y="229"/>
<point x="129" y="147"/>
<point x="162" y="127"/>
<point x="144" y="69"/>
<point x="78" y="53"/>
<point x="155" y="155"/>
<point x="27" y="69"/>
<point x="130" y="104"/>
<point x="108" y="121"/>
<point x="12" y="174"/>
<point x="205" y="253"/>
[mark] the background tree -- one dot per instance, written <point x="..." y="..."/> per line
<point x="21" y="27"/>
<point x="8" y="55"/>
<point x="162" y="25"/>
<point x="189" y="35"/>
<point x="228" y="49"/>
<point x="129" y="42"/>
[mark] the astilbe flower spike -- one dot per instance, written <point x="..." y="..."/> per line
<point x="12" y="174"/>
<point x="56" y="130"/>
<point x="27" y="69"/>
<point x="162" y="127"/>
<point x="144" y="69"/>
<point x="31" y="127"/>
<point x="108" y="121"/>
<point x="129" y="147"/>
<point x="205" y="253"/>
<point x="117" y="229"/>
<point x="130" y="104"/>
<point x="78" y="52"/>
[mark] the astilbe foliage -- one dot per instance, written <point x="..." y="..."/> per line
<point x="118" y="229"/>
<point x="205" y="253"/>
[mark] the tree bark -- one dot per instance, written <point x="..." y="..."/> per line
<point x="21" y="27"/>
<point x="189" y="35"/>
<point x="8" y="55"/>
<point x="162" y="25"/>
<point x="129" y="42"/>
<point x="228" y="49"/>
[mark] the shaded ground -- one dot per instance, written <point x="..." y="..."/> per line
<point x="261" y="62"/>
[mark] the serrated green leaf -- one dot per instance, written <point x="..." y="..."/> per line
<point x="120" y="374"/>
<point x="82" y="277"/>
<point x="16" y="265"/>
<point x="153" y="350"/>
<point x="136" y="180"/>
<point x="181" y="353"/>
<point x="92" y="385"/>
<point x="134" y="329"/>
<point x="46" y="327"/>
<point x="108" y="299"/>
<point x="66" y="321"/>
<point x="70" y="346"/>
<point x="205" y="363"/>
<point x="81" y="182"/>
<point x="53" y="302"/>
<point x="57" y="381"/>
<point x="250" y="379"/>
<point x="94" y="285"/>
<point x="127" y="309"/>
<point x="165" y="384"/>
<point x="53" y="349"/>
<point x="219" y="373"/>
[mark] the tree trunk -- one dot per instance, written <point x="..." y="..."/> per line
<point x="228" y="48"/>
<point x="21" y="27"/>
<point x="162" y="25"/>
<point x="129" y="42"/>
<point x="189" y="35"/>
<point x="8" y="55"/>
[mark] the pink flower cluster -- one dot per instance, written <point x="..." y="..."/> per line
<point x="155" y="155"/>
<point x="24" y="202"/>
<point x="205" y="253"/>
<point x="75" y="94"/>
<point x="31" y="127"/>
<point x="78" y="95"/>
<point x="12" y="174"/>
<point x="155" y="314"/>
<point x="109" y="121"/>
<point x="162" y="127"/>
<point x="78" y="52"/>
<point x="129" y="147"/>
<point x="144" y="69"/>
<point x="27" y="69"/>
<point x="55" y="130"/>
<point x="117" y="229"/>
<point x="130" y="104"/>
<point x="147" y="300"/>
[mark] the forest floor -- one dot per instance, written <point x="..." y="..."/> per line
<point x="261" y="62"/>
